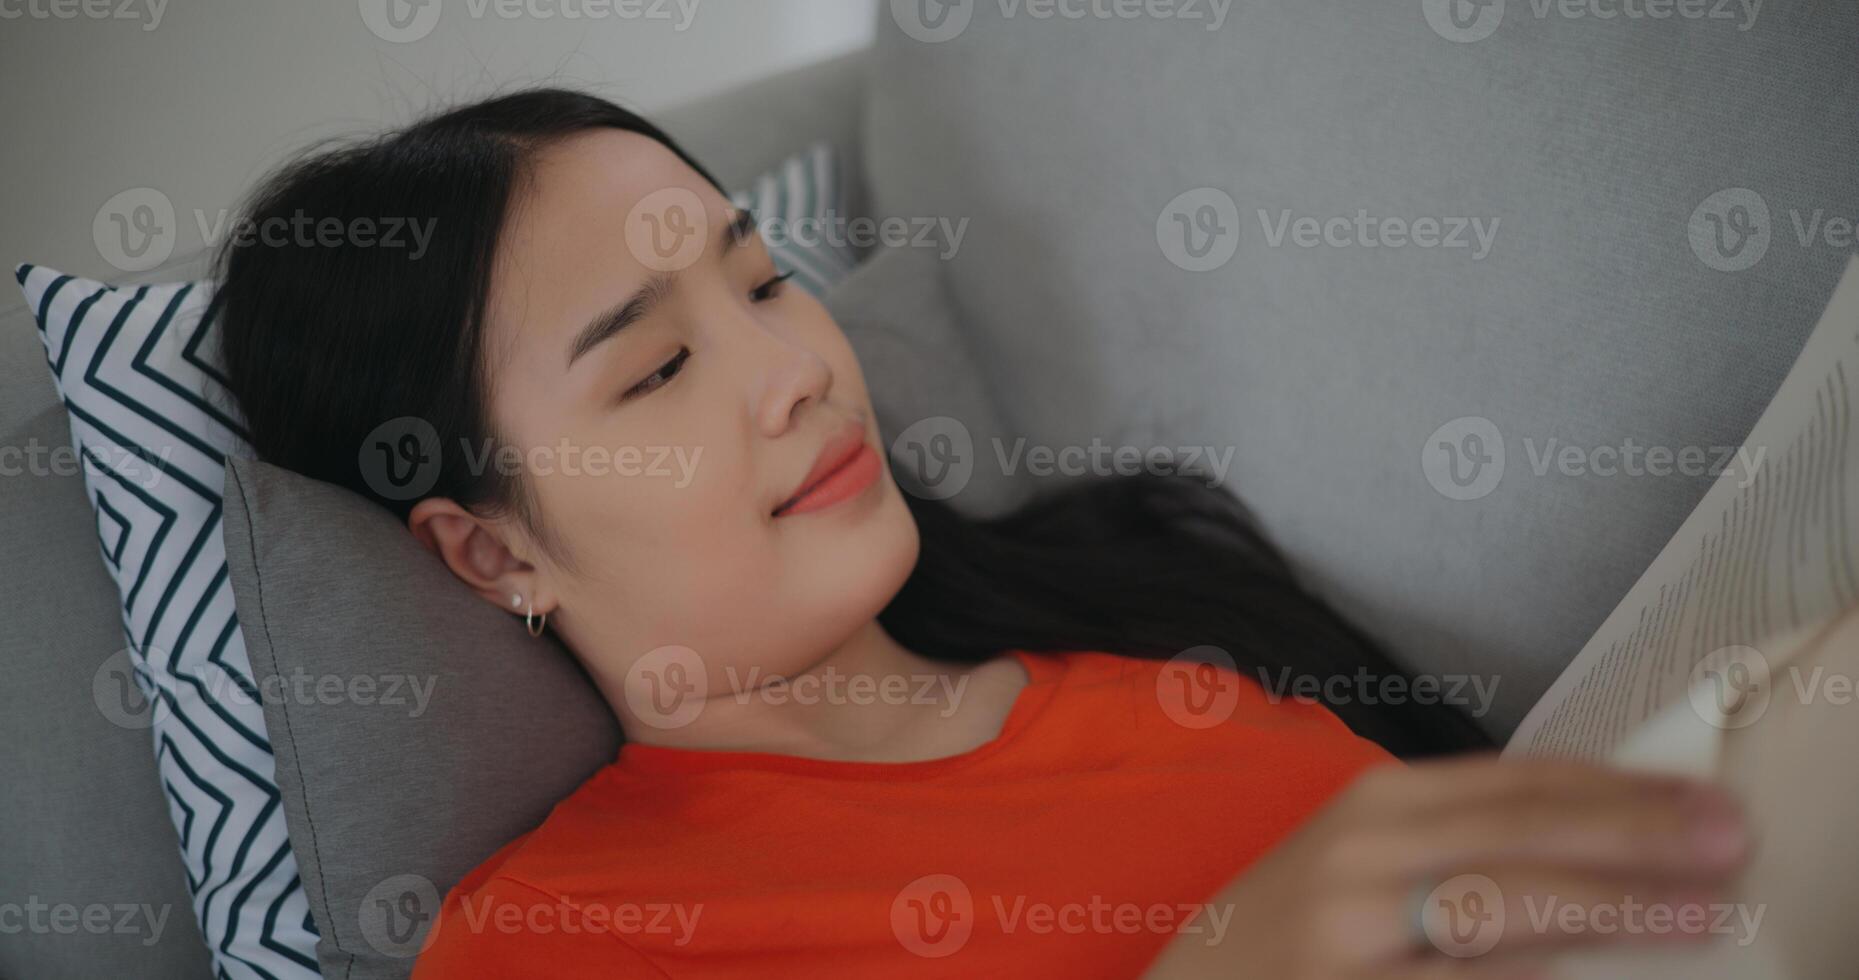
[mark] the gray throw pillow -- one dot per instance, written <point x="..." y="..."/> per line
<point x="417" y="729"/>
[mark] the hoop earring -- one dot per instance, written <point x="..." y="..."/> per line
<point x="531" y="623"/>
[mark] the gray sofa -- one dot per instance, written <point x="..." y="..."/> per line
<point x="1180" y="238"/>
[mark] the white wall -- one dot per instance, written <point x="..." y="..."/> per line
<point x="219" y="91"/>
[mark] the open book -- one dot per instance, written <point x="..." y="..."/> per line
<point x="1735" y="656"/>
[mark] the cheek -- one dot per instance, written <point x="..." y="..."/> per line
<point x="673" y="548"/>
<point x="840" y="574"/>
<point x="666" y="536"/>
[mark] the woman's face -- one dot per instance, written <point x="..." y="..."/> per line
<point x="660" y="454"/>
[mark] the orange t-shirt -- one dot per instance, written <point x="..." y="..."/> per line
<point x="1118" y="798"/>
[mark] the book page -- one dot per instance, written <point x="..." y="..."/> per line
<point x="1785" y="752"/>
<point x="1757" y="558"/>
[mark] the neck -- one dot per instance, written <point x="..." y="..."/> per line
<point x="867" y="699"/>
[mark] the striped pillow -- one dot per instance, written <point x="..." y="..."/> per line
<point x="800" y="208"/>
<point x="151" y="417"/>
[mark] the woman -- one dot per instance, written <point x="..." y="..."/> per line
<point x="1032" y="783"/>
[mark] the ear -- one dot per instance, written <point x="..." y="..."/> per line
<point x="475" y="550"/>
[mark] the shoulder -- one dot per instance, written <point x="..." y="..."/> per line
<point x="507" y="918"/>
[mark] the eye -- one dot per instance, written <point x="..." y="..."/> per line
<point x="660" y="377"/>
<point x="770" y="289"/>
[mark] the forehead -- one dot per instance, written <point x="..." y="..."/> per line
<point x="574" y="197"/>
<point x="564" y="254"/>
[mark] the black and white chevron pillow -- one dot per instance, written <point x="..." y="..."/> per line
<point x="149" y="416"/>
<point x="154" y="423"/>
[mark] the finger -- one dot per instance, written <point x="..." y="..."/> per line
<point x="1470" y="778"/>
<point x="1699" y="834"/>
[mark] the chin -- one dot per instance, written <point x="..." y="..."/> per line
<point x="852" y="573"/>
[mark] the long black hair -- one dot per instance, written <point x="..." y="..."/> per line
<point x="323" y="344"/>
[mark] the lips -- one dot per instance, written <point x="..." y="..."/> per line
<point x="846" y="465"/>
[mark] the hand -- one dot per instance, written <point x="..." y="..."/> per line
<point x="1380" y="882"/>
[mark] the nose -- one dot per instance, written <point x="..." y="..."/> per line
<point x="792" y="375"/>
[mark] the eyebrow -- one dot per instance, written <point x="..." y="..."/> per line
<point x="647" y="298"/>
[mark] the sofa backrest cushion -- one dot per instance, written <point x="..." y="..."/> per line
<point x="1372" y="249"/>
